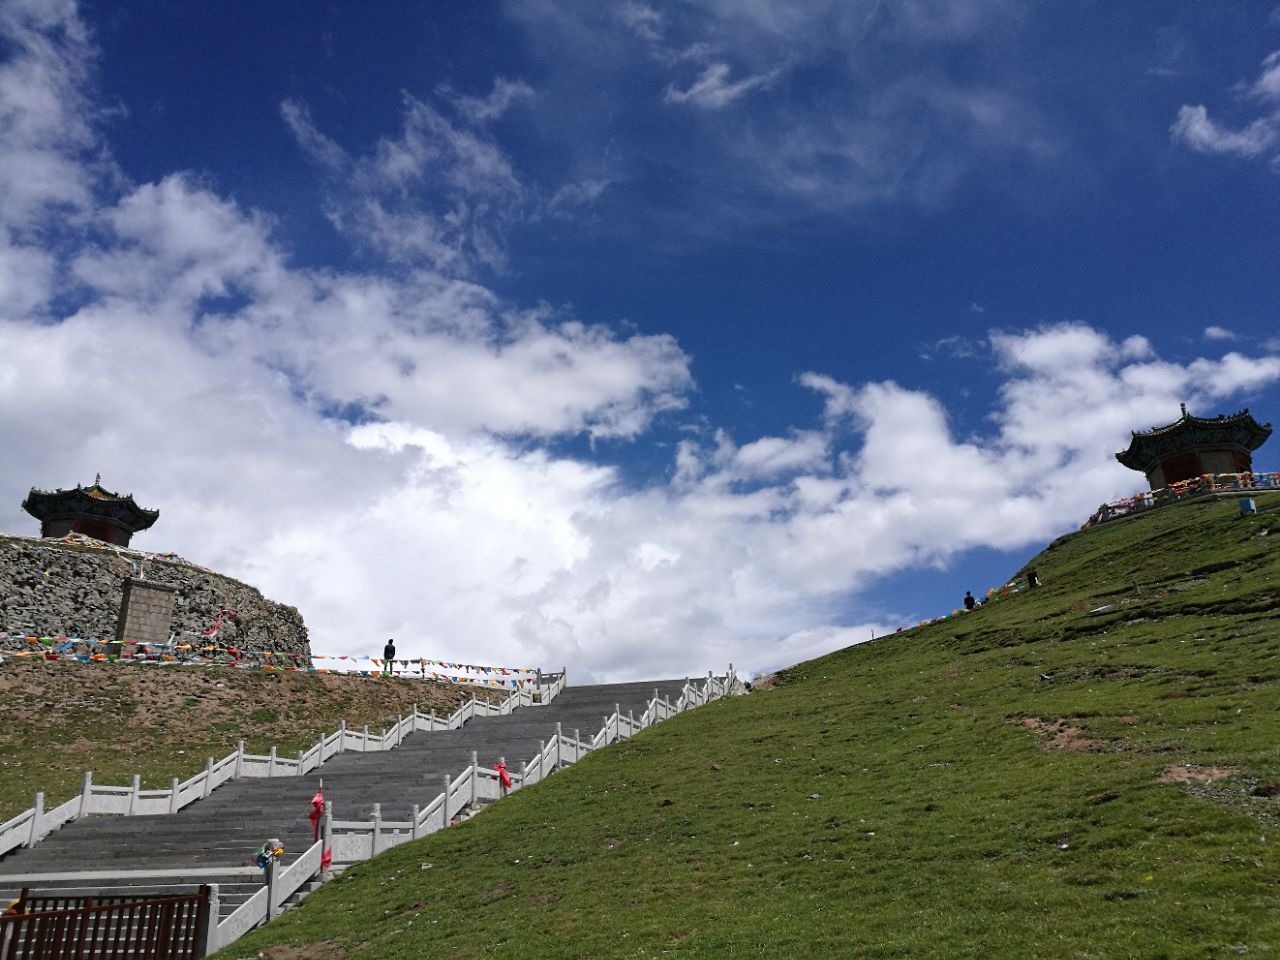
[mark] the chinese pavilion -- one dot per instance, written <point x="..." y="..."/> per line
<point x="1192" y="446"/>
<point x="94" y="511"/>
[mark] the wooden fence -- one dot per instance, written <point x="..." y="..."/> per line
<point x="58" y="927"/>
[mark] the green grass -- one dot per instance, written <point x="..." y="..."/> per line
<point x="902" y="798"/>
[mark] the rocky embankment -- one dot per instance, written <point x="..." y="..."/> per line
<point x="59" y="588"/>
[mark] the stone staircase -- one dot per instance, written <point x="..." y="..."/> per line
<point x="222" y="831"/>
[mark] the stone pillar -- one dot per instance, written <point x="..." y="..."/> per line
<point x="146" y="611"/>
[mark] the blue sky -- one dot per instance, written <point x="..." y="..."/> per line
<point x="636" y="337"/>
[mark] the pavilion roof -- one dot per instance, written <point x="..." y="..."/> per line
<point x="1238" y="430"/>
<point x="94" y="500"/>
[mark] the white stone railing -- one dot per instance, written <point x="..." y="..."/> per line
<point x="35" y="823"/>
<point x="356" y="840"/>
<point x="351" y="841"/>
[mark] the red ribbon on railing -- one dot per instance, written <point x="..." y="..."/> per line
<point x="317" y="811"/>
<point x="503" y="777"/>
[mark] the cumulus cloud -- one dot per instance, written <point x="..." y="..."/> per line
<point x="384" y="449"/>
<point x="1194" y="127"/>
<point x="1218" y="333"/>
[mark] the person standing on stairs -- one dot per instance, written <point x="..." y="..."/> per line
<point x="388" y="655"/>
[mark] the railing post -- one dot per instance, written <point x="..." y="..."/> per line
<point x="173" y="795"/>
<point x="399" y="729"/>
<point x="577" y="745"/>
<point x="326" y="829"/>
<point x="208" y="782"/>
<point x="37" y="813"/>
<point x="414" y="831"/>
<point x="271" y="761"/>
<point x="364" y="744"/>
<point x="444" y="807"/>
<point x="559" y="744"/>
<point x="433" y="719"/>
<point x="269" y="877"/>
<point x="239" y="759"/>
<point x="617" y="712"/>
<point x="542" y="759"/>
<point x="86" y="793"/>
<point x="524" y="772"/>
<point x="133" y="795"/>
<point x="377" y="828"/>
<point x="211" y="913"/>
<point x="475" y="776"/>
<point x="342" y="736"/>
<point x="299" y="763"/>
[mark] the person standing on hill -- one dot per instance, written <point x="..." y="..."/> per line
<point x="969" y="602"/>
<point x="388" y="655"/>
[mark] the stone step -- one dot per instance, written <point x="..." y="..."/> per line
<point x="227" y="827"/>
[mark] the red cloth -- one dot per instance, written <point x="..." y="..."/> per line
<point x="326" y="859"/>
<point x="503" y="775"/>
<point x="317" y="811"/>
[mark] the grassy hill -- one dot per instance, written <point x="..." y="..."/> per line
<point x="59" y="719"/>
<point x="1030" y="780"/>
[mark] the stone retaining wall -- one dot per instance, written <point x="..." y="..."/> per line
<point x="53" y="588"/>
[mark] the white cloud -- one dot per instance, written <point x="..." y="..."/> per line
<point x="1260" y="136"/>
<point x="1218" y="333"/>
<point x="574" y="196"/>
<point x="892" y="122"/>
<point x="505" y="94"/>
<point x="776" y="456"/>
<point x="1194" y="128"/>
<point x="439" y="195"/>
<point x="713" y="89"/>
<point x="380" y="450"/>
<point x="642" y="19"/>
<point x="1267" y="86"/>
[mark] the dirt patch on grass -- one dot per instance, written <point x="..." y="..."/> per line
<point x="1060" y="735"/>
<point x="1192" y="774"/>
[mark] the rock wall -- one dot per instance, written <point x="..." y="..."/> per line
<point x="61" y="589"/>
